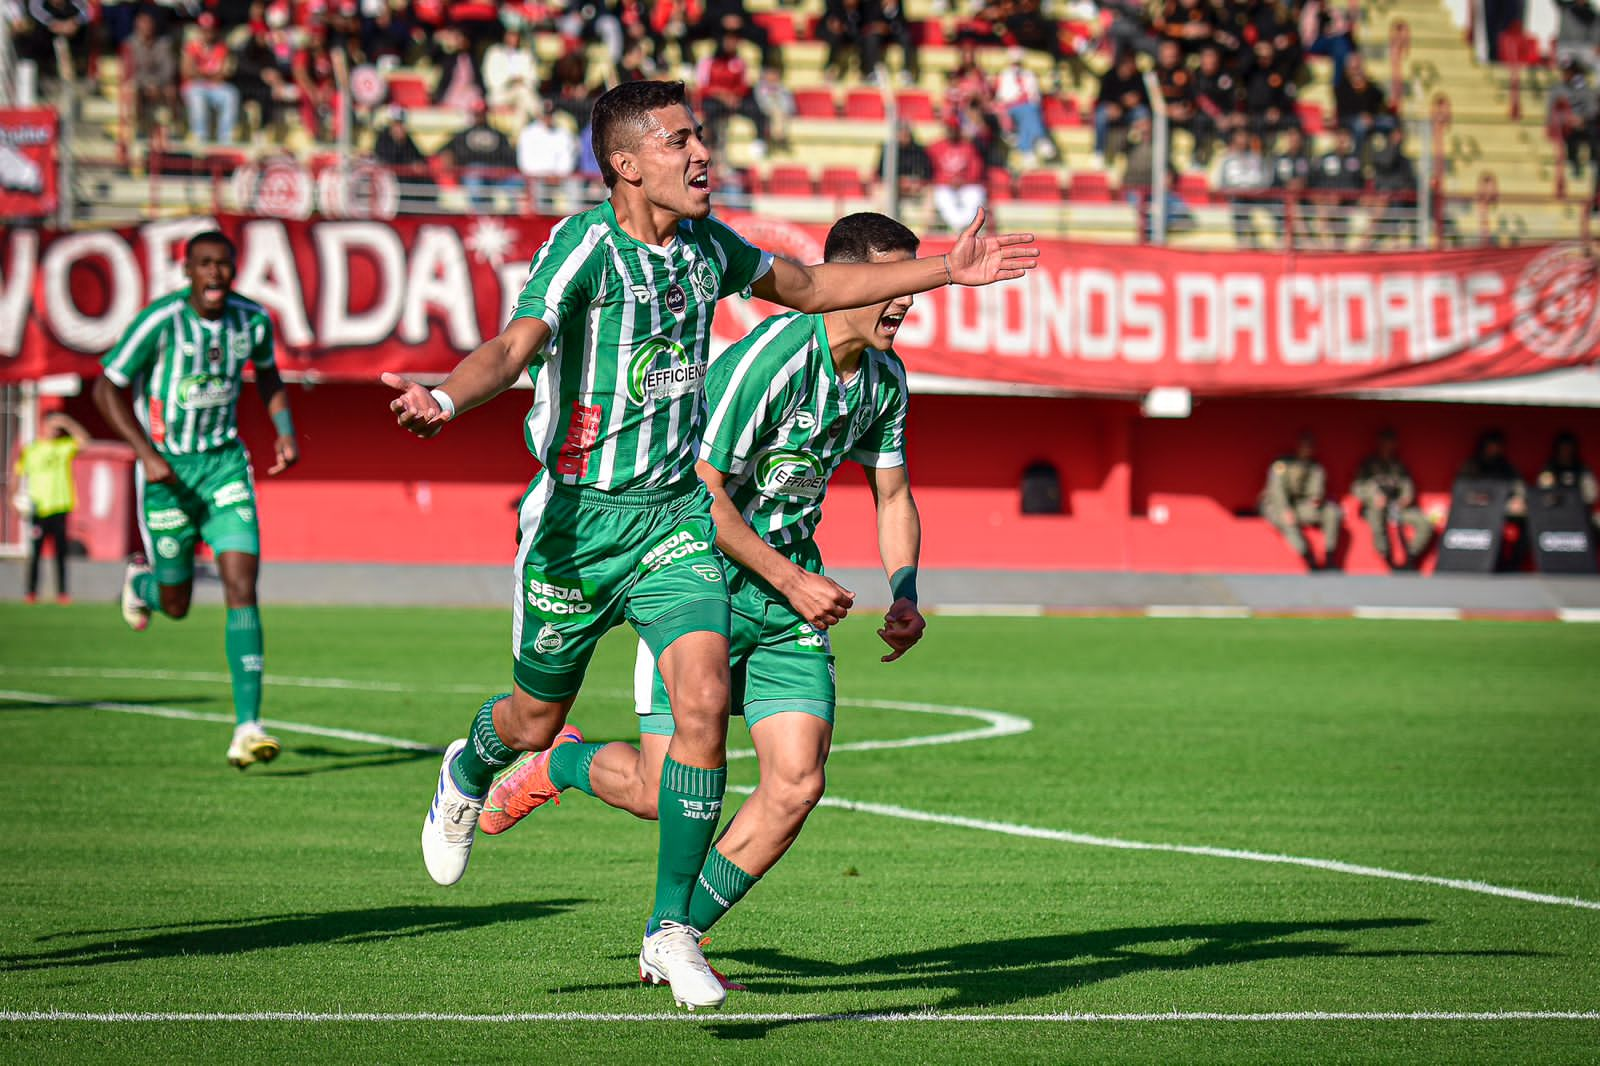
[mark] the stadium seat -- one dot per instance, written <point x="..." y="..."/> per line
<point x="1090" y="186"/>
<point x="814" y="103"/>
<point x="779" y="26"/>
<point x="841" y="182"/>
<point x="1194" y="188"/>
<point x="789" y="180"/>
<point x="864" y="105"/>
<point x="1039" y="186"/>
<point x="916" y="106"/>
<point x="408" y="90"/>
<point x="999" y="184"/>
<point x="1060" y="113"/>
<point x="1311" y="118"/>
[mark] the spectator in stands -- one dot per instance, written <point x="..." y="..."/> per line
<point x="484" y="160"/>
<point x="1131" y="28"/>
<point x="722" y="17"/>
<point x="1243" y="175"/>
<point x="1018" y="96"/>
<point x="1138" y="181"/>
<point x="913" y="168"/>
<point x="895" y="28"/>
<point x="1360" y="104"/>
<point x="57" y="34"/>
<point x="1387" y="494"/>
<point x="207" y="64"/>
<point x="395" y="148"/>
<point x="851" y="27"/>
<point x="316" y="78"/>
<point x="1121" y="100"/>
<point x="149" y="72"/>
<point x="1489" y="463"/>
<point x="1574" y="113"/>
<point x="265" y="82"/>
<point x="1269" y="92"/>
<point x="511" y="76"/>
<point x="967" y="83"/>
<point x="1216" y="93"/>
<point x="568" y="84"/>
<point x="117" y="18"/>
<point x="1273" y="22"/>
<point x="460" y="84"/>
<point x="777" y="103"/>
<point x="1336" y="40"/>
<point x="1566" y="470"/>
<point x="593" y="20"/>
<point x="1027" y="24"/>
<point x="959" y="190"/>
<point x="1338" y="180"/>
<point x="636" y="63"/>
<point x="1191" y="24"/>
<point x="725" y="90"/>
<point x="1394" y="191"/>
<point x="547" y="154"/>
<point x="1296" y="495"/>
<point x="1578" y="31"/>
<point x="388" y="33"/>
<point x="1176" y="83"/>
<point x="588" y="165"/>
<point x="1291" y="168"/>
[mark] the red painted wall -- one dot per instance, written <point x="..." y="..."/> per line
<point x="367" y="492"/>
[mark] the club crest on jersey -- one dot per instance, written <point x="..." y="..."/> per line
<point x="548" y="640"/>
<point x="676" y="300"/>
<point x="790" y="473"/>
<point x="703" y="280"/>
<point x="662" y="369"/>
<point x="239" y="345"/>
<point x="202" y="392"/>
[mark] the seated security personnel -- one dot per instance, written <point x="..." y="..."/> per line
<point x="1296" y="495"/>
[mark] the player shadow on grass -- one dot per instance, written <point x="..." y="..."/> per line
<point x="235" y="935"/>
<point x="999" y="972"/>
<point x="91" y="703"/>
<point x="351" y="760"/>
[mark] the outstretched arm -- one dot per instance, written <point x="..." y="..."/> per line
<point x="899" y="545"/>
<point x="480" y="377"/>
<point x="972" y="260"/>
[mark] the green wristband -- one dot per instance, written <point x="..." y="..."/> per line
<point x="903" y="584"/>
<point x="284" y="422"/>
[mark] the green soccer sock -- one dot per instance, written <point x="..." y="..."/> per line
<point x="689" y="804"/>
<point x="569" y="766"/>
<point x="485" y="754"/>
<point x="244" y="647"/>
<point x="145" y="587"/>
<point x="720" y="885"/>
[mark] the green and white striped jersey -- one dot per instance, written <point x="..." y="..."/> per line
<point x="620" y="388"/>
<point x="186" y="370"/>
<point x="782" y="421"/>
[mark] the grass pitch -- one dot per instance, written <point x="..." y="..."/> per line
<point x="141" y="874"/>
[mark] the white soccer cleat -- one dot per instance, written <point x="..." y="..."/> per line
<point x="251" y="744"/>
<point x="671" y="955"/>
<point x="451" y="823"/>
<point x="135" y="611"/>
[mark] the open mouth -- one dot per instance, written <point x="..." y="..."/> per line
<point x="213" y="293"/>
<point x="889" y="324"/>
<point x="701" y="182"/>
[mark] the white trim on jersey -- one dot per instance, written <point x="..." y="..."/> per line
<point x="135" y="339"/>
<point x="772" y="327"/>
<point x="529" y="518"/>
<point x="644" y="680"/>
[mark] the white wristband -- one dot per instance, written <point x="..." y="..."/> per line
<point x="443" y="399"/>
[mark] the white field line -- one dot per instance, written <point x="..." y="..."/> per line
<point x="1007" y="724"/>
<point x="1171" y="610"/>
<point x="775" y="1016"/>
<point x="1408" y="614"/>
<point x="1579" y="614"/>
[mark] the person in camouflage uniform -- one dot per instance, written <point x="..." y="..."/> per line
<point x="1296" y="495"/>
<point x="1567" y="470"/>
<point x="1388" y="494"/>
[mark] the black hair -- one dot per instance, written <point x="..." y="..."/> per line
<point x="210" y="236"/>
<point x="619" y="118"/>
<point x="854" y="238"/>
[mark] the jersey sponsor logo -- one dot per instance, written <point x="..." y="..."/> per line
<point x="790" y="473"/>
<point x="246" y="514"/>
<point x="168" y="547"/>
<point x="166" y="518"/>
<point x="703" y="280"/>
<point x="231" y="495"/>
<point x="662" y="369"/>
<point x="549" y="640"/>
<point x="641" y="293"/>
<point x="702" y="810"/>
<point x="557" y="598"/>
<point x="679" y="544"/>
<point x="804" y="420"/>
<point x="158" y="422"/>
<point x="239" y="345"/>
<point x="708" y="571"/>
<point x="807" y="635"/>
<point x="863" y="419"/>
<point x="1471" y="540"/>
<point x="677" y="301"/>
<point x="583" y="429"/>
<point x="203" y="392"/>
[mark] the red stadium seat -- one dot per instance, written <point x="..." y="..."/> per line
<point x="408" y="90"/>
<point x="1311" y="119"/>
<point x="999" y="184"/>
<point x="842" y="182"/>
<point x="789" y="180"/>
<point x="1194" y="188"/>
<point x="1090" y="186"/>
<point x="1039" y="186"/>
<point x="865" y="105"/>
<point x="779" y="26"/>
<point x="929" y="32"/>
<point x="814" y="103"/>
<point x="1060" y="113"/>
<point x="916" y="107"/>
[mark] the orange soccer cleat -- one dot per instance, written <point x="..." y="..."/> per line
<point x="523" y="786"/>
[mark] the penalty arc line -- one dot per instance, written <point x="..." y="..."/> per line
<point x="909" y="814"/>
<point x="747" y="1016"/>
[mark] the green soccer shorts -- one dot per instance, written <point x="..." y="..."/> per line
<point x="589" y="560"/>
<point x="780" y="662"/>
<point x="212" y="495"/>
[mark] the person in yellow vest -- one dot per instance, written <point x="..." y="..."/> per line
<point x="48" y="498"/>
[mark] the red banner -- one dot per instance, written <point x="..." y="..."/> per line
<point x="352" y="298"/>
<point x="27" y="162"/>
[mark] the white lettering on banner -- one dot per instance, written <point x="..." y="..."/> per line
<point x="1350" y="298"/>
<point x="91" y="333"/>
<point x="1146" y="321"/>
<point x="1199" y="330"/>
<point x="438" y="278"/>
<point x="917" y="329"/>
<point x="16" y="289"/>
<point x="1244" y="312"/>
<point x="1098" y="334"/>
<point x="1483" y="295"/>
<point x="1054" y="306"/>
<point x="1299" y="335"/>
<point x="1013" y="334"/>
<point x="165" y="248"/>
<point x="268" y="274"/>
<point x="1441" y="303"/>
<point x="337" y="244"/>
<point x="1399" y="332"/>
<point x="963" y="325"/>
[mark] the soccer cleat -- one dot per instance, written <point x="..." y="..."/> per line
<point x="448" y="829"/>
<point x="523" y="786"/>
<point x="135" y="611"/>
<point x="251" y="745"/>
<point x="671" y="955"/>
<point x="731" y="986"/>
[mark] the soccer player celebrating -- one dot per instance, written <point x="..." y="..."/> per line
<point x="615" y="322"/>
<point x="789" y="404"/>
<point x="171" y="389"/>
